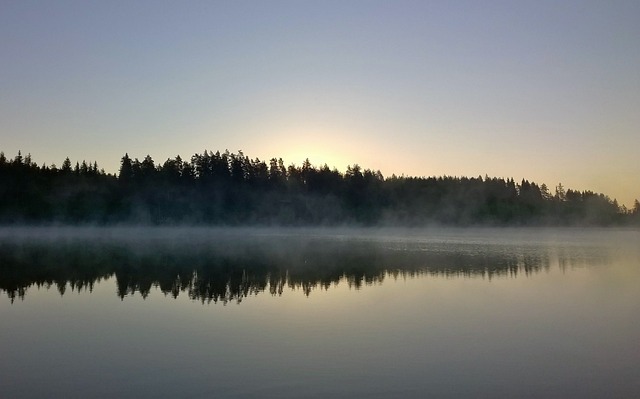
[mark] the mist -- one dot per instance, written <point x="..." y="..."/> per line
<point x="230" y="264"/>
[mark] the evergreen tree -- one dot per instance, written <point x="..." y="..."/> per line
<point x="126" y="169"/>
<point x="230" y="188"/>
<point x="66" y="166"/>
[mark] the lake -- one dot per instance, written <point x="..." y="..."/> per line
<point x="316" y="313"/>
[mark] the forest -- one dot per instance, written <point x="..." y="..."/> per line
<point x="230" y="189"/>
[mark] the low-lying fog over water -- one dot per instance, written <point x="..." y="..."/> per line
<point x="273" y="313"/>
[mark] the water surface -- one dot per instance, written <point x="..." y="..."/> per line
<point x="241" y="313"/>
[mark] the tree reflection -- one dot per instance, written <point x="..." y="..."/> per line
<point x="229" y="269"/>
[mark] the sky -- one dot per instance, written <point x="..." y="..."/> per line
<point x="548" y="91"/>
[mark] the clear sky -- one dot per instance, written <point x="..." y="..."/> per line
<point x="543" y="90"/>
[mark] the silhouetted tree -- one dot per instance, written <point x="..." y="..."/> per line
<point x="126" y="169"/>
<point x="228" y="188"/>
<point x="66" y="166"/>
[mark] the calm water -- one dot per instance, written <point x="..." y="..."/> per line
<point x="200" y="313"/>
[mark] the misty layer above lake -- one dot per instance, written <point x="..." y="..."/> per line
<point x="222" y="265"/>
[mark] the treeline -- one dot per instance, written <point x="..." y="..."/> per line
<point x="233" y="189"/>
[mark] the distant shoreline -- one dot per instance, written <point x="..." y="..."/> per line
<point x="231" y="189"/>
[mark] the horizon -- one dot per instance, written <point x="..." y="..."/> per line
<point x="551" y="187"/>
<point x="539" y="91"/>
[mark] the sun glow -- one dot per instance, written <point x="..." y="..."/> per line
<point x="319" y="146"/>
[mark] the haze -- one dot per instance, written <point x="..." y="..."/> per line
<point x="541" y="90"/>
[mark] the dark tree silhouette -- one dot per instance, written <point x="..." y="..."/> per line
<point x="231" y="188"/>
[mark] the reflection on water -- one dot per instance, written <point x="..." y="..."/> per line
<point x="222" y="266"/>
<point x="482" y="313"/>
